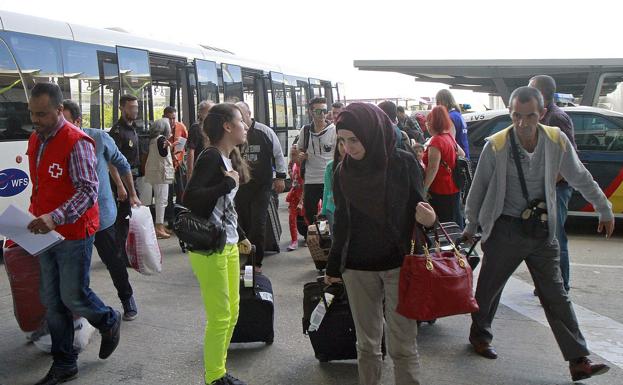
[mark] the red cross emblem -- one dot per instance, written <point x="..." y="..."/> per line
<point x="55" y="170"/>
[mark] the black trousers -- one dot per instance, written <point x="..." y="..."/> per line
<point x="252" y="208"/>
<point x="447" y="208"/>
<point x="122" y="226"/>
<point x="108" y="250"/>
<point x="312" y="194"/>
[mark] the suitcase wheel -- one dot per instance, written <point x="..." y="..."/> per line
<point x="270" y="341"/>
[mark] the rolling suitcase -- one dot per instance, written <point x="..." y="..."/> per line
<point x="24" y="276"/>
<point x="273" y="227"/>
<point x="336" y="337"/>
<point x="257" y="310"/>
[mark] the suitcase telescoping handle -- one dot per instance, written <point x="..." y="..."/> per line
<point x="252" y="255"/>
<point x="462" y="239"/>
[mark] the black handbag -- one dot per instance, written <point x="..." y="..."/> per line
<point x="534" y="216"/>
<point x="198" y="233"/>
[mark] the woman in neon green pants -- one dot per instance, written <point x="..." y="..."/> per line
<point x="210" y="193"/>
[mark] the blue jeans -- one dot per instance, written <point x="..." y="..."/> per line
<point x="65" y="291"/>
<point x="563" y="195"/>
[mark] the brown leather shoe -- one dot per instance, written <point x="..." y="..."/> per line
<point x="583" y="368"/>
<point x="483" y="348"/>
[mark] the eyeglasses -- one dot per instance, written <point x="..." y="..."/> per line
<point x="320" y="111"/>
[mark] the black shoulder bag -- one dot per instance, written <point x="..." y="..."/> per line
<point x="197" y="232"/>
<point x="534" y="216"/>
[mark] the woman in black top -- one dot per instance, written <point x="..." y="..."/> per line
<point x="210" y="193"/>
<point x="378" y="196"/>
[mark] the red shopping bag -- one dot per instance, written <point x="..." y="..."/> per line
<point x="436" y="283"/>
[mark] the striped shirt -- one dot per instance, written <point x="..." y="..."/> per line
<point x="83" y="174"/>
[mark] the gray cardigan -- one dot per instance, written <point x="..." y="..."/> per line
<point x="485" y="201"/>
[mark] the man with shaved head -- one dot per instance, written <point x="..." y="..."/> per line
<point x="263" y="153"/>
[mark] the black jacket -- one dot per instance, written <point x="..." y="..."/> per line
<point x="207" y="184"/>
<point x="361" y="244"/>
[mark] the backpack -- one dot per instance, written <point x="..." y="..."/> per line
<point x="461" y="173"/>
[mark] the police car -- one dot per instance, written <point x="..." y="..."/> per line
<point x="599" y="138"/>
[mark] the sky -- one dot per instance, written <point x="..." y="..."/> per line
<point x="324" y="37"/>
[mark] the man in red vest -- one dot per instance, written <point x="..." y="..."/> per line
<point x="64" y="198"/>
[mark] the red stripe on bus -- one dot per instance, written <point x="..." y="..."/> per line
<point x="608" y="191"/>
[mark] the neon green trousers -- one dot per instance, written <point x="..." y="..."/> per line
<point x="219" y="279"/>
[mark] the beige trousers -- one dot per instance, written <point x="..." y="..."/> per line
<point x="366" y="292"/>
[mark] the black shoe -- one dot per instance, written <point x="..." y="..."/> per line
<point x="130" y="311"/>
<point x="584" y="368"/>
<point x="231" y="380"/>
<point x="58" y="376"/>
<point x="110" y="338"/>
<point x="220" y="381"/>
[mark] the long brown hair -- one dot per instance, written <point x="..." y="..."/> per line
<point x="213" y="127"/>
<point x="445" y="98"/>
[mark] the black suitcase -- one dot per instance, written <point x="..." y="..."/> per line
<point x="335" y="338"/>
<point x="273" y="227"/>
<point x="257" y="311"/>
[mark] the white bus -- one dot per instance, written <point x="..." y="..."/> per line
<point x="95" y="66"/>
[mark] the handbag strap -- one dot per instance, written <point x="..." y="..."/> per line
<point x="522" y="179"/>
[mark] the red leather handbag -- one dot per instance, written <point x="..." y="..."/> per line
<point x="436" y="283"/>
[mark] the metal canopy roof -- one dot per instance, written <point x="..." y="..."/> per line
<point x="585" y="78"/>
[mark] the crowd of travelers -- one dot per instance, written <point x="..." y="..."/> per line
<point x="373" y="172"/>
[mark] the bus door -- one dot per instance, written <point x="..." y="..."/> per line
<point x="15" y="129"/>
<point x="135" y="79"/>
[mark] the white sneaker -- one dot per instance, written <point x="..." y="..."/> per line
<point x="293" y="246"/>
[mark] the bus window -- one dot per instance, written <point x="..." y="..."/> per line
<point x="207" y="80"/>
<point x="232" y="83"/>
<point x="279" y="99"/>
<point x="109" y="79"/>
<point x="302" y="116"/>
<point x="317" y="90"/>
<point x="135" y="78"/>
<point x="290" y="103"/>
<point x="39" y="59"/>
<point x="253" y="91"/>
<point x="14" y="116"/>
<point x="81" y="68"/>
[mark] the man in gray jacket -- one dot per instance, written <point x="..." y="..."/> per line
<point x="497" y="204"/>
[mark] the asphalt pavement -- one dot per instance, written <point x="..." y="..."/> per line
<point x="164" y="345"/>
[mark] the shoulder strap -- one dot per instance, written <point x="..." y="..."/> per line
<point x="522" y="179"/>
<point x="306" y="133"/>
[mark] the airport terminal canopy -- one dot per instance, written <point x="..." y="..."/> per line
<point x="584" y="78"/>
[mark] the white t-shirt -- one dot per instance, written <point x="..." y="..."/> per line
<point x="320" y="150"/>
<point x="227" y="201"/>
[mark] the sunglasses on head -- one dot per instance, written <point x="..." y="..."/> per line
<point x="320" y="111"/>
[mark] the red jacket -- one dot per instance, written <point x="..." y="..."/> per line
<point x="52" y="184"/>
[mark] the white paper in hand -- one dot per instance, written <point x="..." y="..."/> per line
<point x="14" y="225"/>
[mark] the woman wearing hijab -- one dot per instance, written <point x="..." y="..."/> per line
<point x="378" y="196"/>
